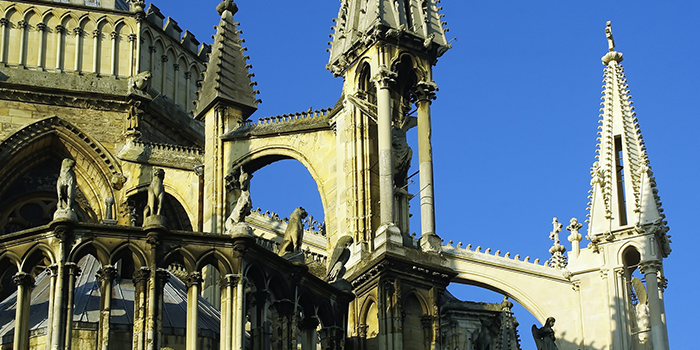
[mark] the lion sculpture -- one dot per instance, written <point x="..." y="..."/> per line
<point x="156" y="193"/>
<point x="65" y="186"/>
<point x="294" y="233"/>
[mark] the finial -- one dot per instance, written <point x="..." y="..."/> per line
<point x="227" y="5"/>
<point x="609" y="35"/>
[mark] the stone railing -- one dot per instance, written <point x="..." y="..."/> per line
<point x="169" y="147"/>
<point x="274" y="247"/>
<point x="291" y="117"/>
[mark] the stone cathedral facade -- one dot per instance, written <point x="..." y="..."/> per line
<point x="126" y="151"/>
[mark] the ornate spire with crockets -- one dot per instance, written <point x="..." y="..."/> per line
<point x="416" y="24"/>
<point x="227" y="79"/>
<point x="623" y="189"/>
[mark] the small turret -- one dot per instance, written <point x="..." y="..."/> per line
<point x="227" y="79"/>
<point x="360" y="23"/>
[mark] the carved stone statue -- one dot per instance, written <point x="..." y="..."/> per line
<point x="65" y="188"/>
<point x="243" y="205"/>
<point x="133" y="118"/>
<point x="141" y="80"/>
<point x="340" y="256"/>
<point x="294" y="233"/>
<point x="609" y="35"/>
<point x="156" y="195"/>
<point x="402" y="155"/>
<point x="544" y="336"/>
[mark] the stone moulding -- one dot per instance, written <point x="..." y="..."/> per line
<point x="168" y="155"/>
<point x="283" y="124"/>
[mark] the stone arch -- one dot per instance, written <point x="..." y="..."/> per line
<point x="182" y="216"/>
<point x="86" y="43"/>
<point x="413" y="332"/>
<point x="510" y="289"/>
<point x="157" y="64"/>
<point x="137" y="256"/>
<point x="97" y="250"/>
<point x="257" y="276"/>
<point x="180" y="255"/>
<point x="425" y="309"/>
<point x="263" y="156"/>
<point x="53" y="136"/>
<point x="104" y="46"/>
<point x="625" y="249"/>
<point x="216" y="259"/>
<point x="369" y="318"/>
<point x="37" y="253"/>
<point x="169" y="73"/>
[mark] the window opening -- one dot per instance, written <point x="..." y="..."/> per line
<point x="620" y="174"/>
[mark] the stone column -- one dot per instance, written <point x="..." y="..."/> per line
<point x="52" y="290"/>
<point x="96" y="37"/>
<point x="194" y="282"/>
<point x="188" y="76"/>
<point x="41" y="28"/>
<point x="140" y="279"/>
<point x="163" y="80"/>
<point x="239" y="320"/>
<point x="105" y="276"/>
<point x="73" y="271"/>
<point x="78" y="32"/>
<point x="228" y="283"/>
<point x="384" y="79"/>
<point x="308" y="330"/>
<point x="134" y="54"/>
<point x="23" y="27"/>
<point x="658" y="328"/>
<point x="259" y="335"/>
<point x="425" y="94"/>
<point x="60" y="30"/>
<point x="176" y="83"/>
<point x="4" y="23"/>
<point x="115" y="54"/>
<point x="24" y="283"/>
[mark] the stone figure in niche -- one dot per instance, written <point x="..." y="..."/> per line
<point x="402" y="155"/>
<point x="156" y="195"/>
<point x="544" y="336"/>
<point x="339" y="257"/>
<point x="293" y="235"/>
<point x="65" y="188"/>
<point x="641" y="309"/>
<point x="133" y="117"/>
<point x="239" y="185"/>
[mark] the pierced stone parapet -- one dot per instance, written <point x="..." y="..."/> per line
<point x="310" y="225"/>
<point x="468" y="250"/>
<point x="160" y="154"/>
<point x="285" y="123"/>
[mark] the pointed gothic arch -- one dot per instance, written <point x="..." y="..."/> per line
<point x="44" y="143"/>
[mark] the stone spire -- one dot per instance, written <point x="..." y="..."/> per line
<point x="623" y="189"/>
<point x="415" y="24"/>
<point x="227" y="79"/>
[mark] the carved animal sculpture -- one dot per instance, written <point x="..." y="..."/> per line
<point x="340" y="256"/>
<point x="156" y="193"/>
<point x="294" y="233"/>
<point x="65" y="186"/>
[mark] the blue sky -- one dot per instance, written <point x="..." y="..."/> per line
<point x="514" y="125"/>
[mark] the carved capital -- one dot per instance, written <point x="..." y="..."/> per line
<point x="22" y="24"/>
<point x="649" y="267"/>
<point x="41" y="26"/>
<point x="362" y="330"/>
<point x="60" y="29"/>
<point x="62" y="232"/>
<point x="162" y="275"/>
<point x="152" y="49"/>
<point x="385" y="78"/>
<point x="425" y="91"/>
<point x="114" y="35"/>
<point x="427" y="321"/>
<point x="73" y="269"/>
<point x="4" y="22"/>
<point x="77" y="31"/>
<point x="164" y="58"/>
<point x="141" y="275"/>
<point x="176" y="67"/>
<point x="153" y="238"/>
<point x="132" y="38"/>
<point x="96" y="33"/>
<point x="106" y="273"/>
<point x="188" y="75"/>
<point x="194" y="278"/>
<point x="23" y="279"/>
<point x="229" y="281"/>
<point x="140" y="16"/>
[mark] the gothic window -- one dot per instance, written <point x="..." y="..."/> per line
<point x="620" y="176"/>
<point x="366" y="86"/>
<point x="407" y="8"/>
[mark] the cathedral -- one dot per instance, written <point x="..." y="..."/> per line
<point x="127" y="147"/>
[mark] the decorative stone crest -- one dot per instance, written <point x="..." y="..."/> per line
<point x="558" y="259"/>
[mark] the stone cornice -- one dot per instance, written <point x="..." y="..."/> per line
<point x="284" y="124"/>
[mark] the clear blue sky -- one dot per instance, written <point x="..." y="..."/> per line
<point x="516" y="116"/>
